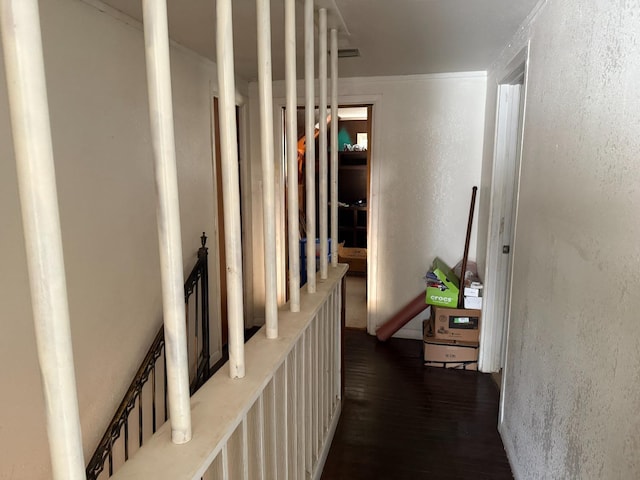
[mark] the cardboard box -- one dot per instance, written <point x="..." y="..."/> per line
<point x="355" y="257"/>
<point x="445" y="274"/>
<point x="445" y="295"/>
<point x="427" y="327"/>
<point x="457" y="324"/>
<point x="473" y="291"/>
<point x="442" y="298"/>
<point x="473" y="303"/>
<point x="450" y="354"/>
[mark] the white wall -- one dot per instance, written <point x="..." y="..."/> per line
<point x="104" y="166"/>
<point x="572" y="384"/>
<point x="427" y="155"/>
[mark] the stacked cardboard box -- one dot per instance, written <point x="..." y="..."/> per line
<point x="451" y="338"/>
<point x="457" y="324"/>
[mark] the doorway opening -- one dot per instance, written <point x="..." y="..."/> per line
<point x="354" y="159"/>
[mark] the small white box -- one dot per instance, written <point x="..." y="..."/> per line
<point x="473" y="291"/>
<point x="474" y="303"/>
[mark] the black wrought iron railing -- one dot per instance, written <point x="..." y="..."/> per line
<point x="197" y="285"/>
<point x="144" y="406"/>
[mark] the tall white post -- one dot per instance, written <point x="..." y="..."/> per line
<point x="324" y="197"/>
<point x="230" y="186"/>
<point x="292" y="154"/>
<point x="156" y="39"/>
<point x="334" y="146"/>
<point x="268" y="169"/>
<point x="24" y="65"/>
<point x="310" y="142"/>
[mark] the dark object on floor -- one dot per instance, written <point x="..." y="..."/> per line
<point x="401" y="420"/>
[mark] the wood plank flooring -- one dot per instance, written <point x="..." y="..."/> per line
<point x="402" y="420"/>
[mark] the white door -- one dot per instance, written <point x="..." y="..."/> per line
<point x="507" y="220"/>
<point x="504" y="194"/>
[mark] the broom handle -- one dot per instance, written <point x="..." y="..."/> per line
<point x="466" y="248"/>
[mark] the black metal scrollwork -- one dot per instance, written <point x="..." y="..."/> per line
<point x="197" y="283"/>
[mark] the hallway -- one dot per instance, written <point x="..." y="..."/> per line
<point x="356" y="302"/>
<point x="401" y="420"/>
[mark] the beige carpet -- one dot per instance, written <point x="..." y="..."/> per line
<point x="356" y="302"/>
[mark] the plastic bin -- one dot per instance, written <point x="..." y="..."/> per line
<point x="303" y="258"/>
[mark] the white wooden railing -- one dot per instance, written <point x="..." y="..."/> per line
<point x="275" y="423"/>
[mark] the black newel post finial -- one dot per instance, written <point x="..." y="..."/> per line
<point x="202" y="252"/>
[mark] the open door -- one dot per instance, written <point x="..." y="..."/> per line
<point x="503" y="213"/>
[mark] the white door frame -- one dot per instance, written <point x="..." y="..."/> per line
<point x="375" y="145"/>
<point x="510" y="107"/>
<point x="375" y="100"/>
<point x="215" y="268"/>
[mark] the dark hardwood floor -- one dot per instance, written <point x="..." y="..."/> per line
<point x="402" y="420"/>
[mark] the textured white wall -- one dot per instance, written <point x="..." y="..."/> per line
<point x="572" y="392"/>
<point x="104" y="166"/>
<point x="427" y="155"/>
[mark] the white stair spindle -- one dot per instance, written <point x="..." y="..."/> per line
<point x="310" y="151"/>
<point x="156" y="36"/>
<point x="268" y="169"/>
<point x="334" y="147"/>
<point x="24" y="68"/>
<point x="230" y="186"/>
<point x="292" y="155"/>
<point x="324" y="197"/>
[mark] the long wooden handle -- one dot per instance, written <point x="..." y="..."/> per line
<point x="466" y="248"/>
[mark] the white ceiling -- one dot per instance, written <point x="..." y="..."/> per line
<point x="395" y="37"/>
